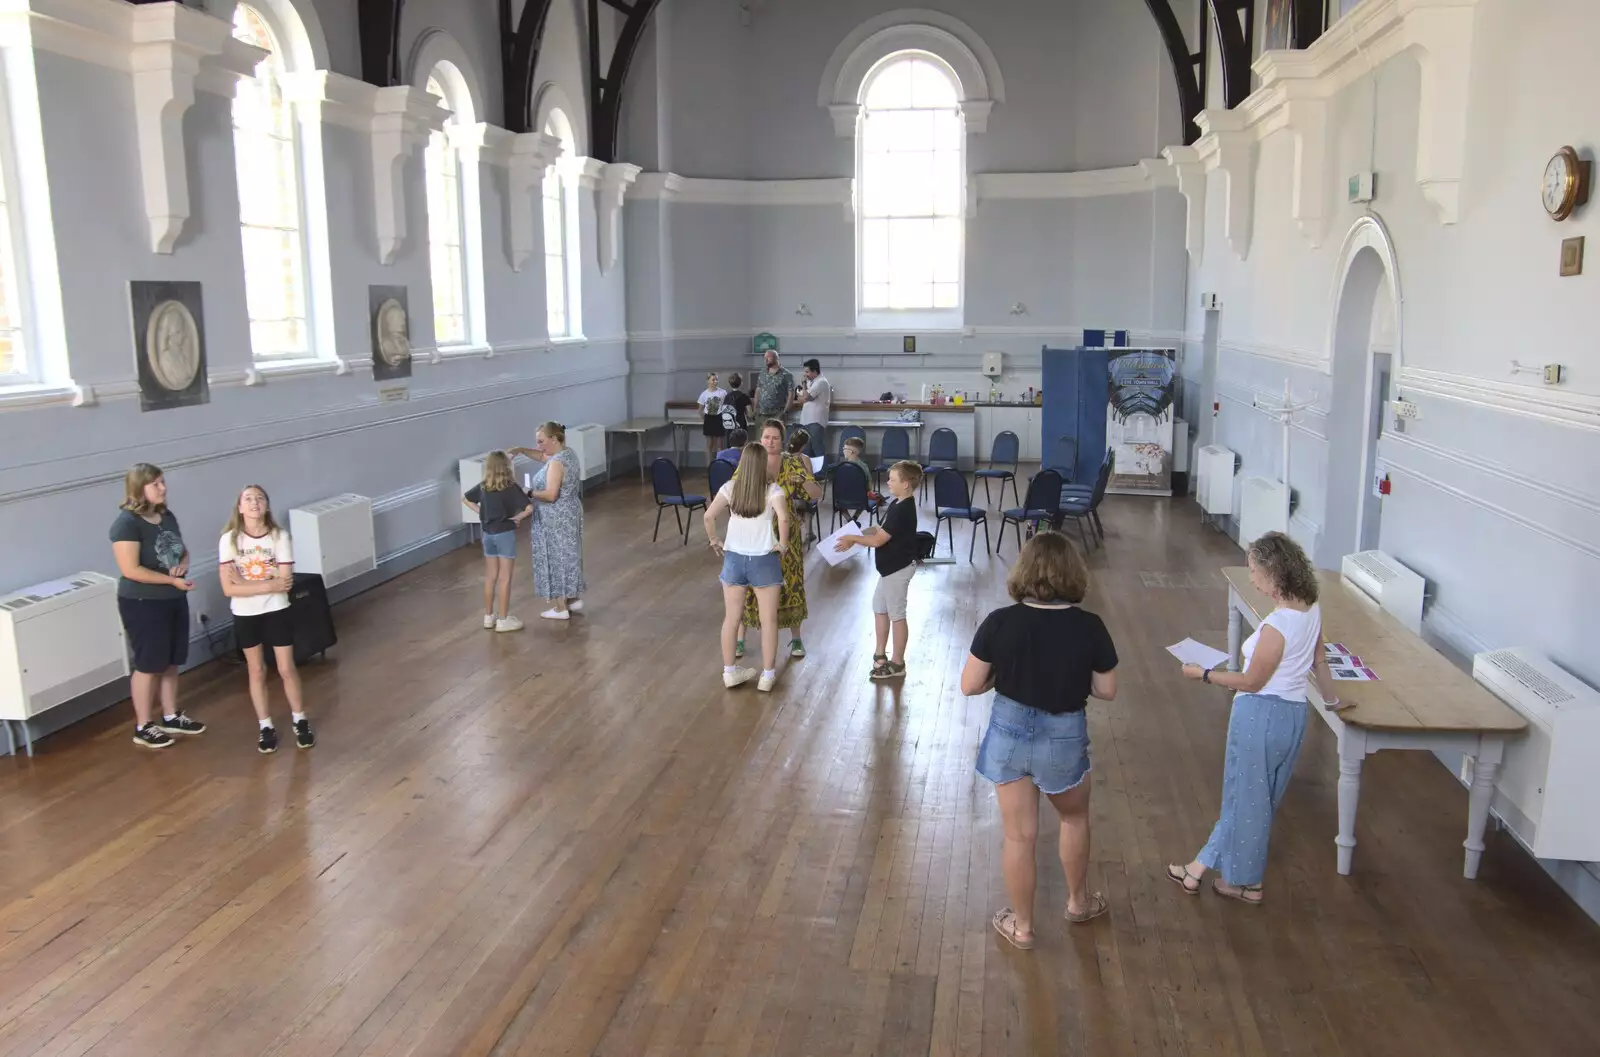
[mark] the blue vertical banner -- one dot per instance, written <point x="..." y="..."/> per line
<point x="1141" y="387"/>
<point x="1072" y="419"/>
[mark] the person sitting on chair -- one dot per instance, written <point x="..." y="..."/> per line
<point x="737" y="439"/>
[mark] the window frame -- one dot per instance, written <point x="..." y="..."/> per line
<point x="452" y="157"/>
<point x="565" y="173"/>
<point x="14" y="259"/>
<point x="904" y="319"/>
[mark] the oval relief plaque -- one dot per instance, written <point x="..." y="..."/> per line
<point x="172" y="343"/>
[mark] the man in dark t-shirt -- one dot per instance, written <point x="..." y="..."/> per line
<point x="894" y="544"/>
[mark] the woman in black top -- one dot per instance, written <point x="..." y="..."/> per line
<point x="1044" y="657"/>
<point x="152" y="598"/>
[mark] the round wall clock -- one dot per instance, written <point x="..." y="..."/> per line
<point x="1566" y="183"/>
<point x="172" y="343"/>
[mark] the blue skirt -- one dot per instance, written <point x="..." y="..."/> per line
<point x="1022" y="742"/>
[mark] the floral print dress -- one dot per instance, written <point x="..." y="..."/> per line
<point x="793" y="476"/>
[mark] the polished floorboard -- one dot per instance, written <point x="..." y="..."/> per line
<point x="573" y="840"/>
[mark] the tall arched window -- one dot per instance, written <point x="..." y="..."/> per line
<point x="560" y="282"/>
<point x="446" y="232"/>
<point x="267" y="155"/>
<point x="15" y="365"/>
<point x="911" y="173"/>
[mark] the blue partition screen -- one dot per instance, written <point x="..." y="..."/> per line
<point x="1075" y="383"/>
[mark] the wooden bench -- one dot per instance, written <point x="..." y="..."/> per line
<point x="1421" y="701"/>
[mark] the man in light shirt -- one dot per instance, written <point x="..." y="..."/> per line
<point x="816" y="399"/>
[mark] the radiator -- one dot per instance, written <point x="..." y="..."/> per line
<point x="588" y="443"/>
<point x="1214" y="487"/>
<point x="58" y="640"/>
<point x="1263" y="508"/>
<point x="471" y="472"/>
<point x="333" y="538"/>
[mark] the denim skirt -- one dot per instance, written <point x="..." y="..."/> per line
<point x="1023" y="742"/>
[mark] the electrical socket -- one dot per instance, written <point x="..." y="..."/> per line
<point x="1554" y="374"/>
<point x="1405" y="409"/>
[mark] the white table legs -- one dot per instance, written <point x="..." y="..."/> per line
<point x="1485" y="768"/>
<point x="1352" y="752"/>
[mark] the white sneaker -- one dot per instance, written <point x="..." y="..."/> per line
<point x="488" y="622"/>
<point x="737" y="676"/>
<point x="575" y="606"/>
<point x="508" y="623"/>
<point x="556" y="614"/>
<point x="767" y="681"/>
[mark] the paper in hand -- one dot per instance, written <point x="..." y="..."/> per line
<point x="1191" y="652"/>
<point x="829" y="548"/>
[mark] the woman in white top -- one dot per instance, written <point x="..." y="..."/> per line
<point x="255" y="560"/>
<point x="1268" y="720"/>
<point x="710" y="402"/>
<point x="758" y="531"/>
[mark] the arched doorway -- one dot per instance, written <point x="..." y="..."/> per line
<point x="1366" y="349"/>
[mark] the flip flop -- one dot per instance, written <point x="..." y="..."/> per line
<point x="1180" y="876"/>
<point x="1097" y="906"/>
<point x="1005" y="923"/>
<point x="1238" y="893"/>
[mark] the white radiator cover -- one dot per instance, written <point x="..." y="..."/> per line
<point x="1263" y="508"/>
<point x="1214" y="485"/>
<point x="588" y="443"/>
<point x="333" y="538"/>
<point x="57" y="641"/>
<point x="471" y="471"/>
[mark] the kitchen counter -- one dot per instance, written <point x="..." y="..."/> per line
<point x="859" y="405"/>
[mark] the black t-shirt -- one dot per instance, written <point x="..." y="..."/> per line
<point x="735" y="411"/>
<point x="496" y="509"/>
<point x="1045" y="658"/>
<point x="900" y="522"/>
<point x="161" y="549"/>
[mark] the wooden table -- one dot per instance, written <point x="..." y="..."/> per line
<point x="1421" y="701"/>
<point x="639" y="429"/>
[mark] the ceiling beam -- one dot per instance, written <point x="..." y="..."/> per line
<point x="1187" y="69"/>
<point x="1234" y="36"/>
<point x="519" y="51"/>
<point x="378" y="24"/>
<point x="605" y="92"/>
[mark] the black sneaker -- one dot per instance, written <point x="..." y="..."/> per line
<point x="181" y="724"/>
<point x="268" y="741"/>
<point x="150" y="736"/>
<point x="303" y="735"/>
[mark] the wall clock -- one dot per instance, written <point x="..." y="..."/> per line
<point x="1566" y="183"/>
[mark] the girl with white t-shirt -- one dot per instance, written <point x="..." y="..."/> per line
<point x="758" y="531"/>
<point x="710" y="404"/>
<point x="1268" y="720"/>
<point x="255" y="560"/>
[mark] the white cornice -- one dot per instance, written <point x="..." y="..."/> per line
<point x="615" y="178"/>
<point x="1190" y="173"/>
<point x="1091" y="183"/>
<point x="1540" y="402"/>
<point x="1227" y="145"/>
<point x="935" y="32"/>
<point x="525" y="157"/>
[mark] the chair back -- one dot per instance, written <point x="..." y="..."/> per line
<point x="942" y="446"/>
<point x="849" y="487"/>
<point x="720" y="473"/>
<point x="853" y="432"/>
<point x="1103" y="478"/>
<point x="664" y="479"/>
<point x="1006" y="449"/>
<point x="1044" y="492"/>
<point x="1064" y="456"/>
<point x="816" y="440"/>
<point x="950" y="490"/>
<point x="896" y="444"/>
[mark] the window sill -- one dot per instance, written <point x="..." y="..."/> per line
<point x="35" y="394"/>
<point x="915" y="322"/>
<point x="306" y="368"/>
<point x="463" y="351"/>
<point x="573" y="339"/>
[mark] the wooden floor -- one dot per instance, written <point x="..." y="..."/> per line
<point x="572" y="840"/>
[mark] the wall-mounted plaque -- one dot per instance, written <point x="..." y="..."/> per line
<point x="169" y="341"/>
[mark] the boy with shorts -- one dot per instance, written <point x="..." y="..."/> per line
<point x="894" y="543"/>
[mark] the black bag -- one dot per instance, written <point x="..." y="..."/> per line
<point x="926" y="542"/>
<point x="314" y="634"/>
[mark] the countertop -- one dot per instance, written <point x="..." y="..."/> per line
<point x="870" y="405"/>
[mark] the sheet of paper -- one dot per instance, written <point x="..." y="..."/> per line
<point x="1191" y="652"/>
<point x="827" y="548"/>
<point x="1352" y="673"/>
<point x="816" y="464"/>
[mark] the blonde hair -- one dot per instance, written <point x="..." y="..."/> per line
<point x="235" y="524"/>
<point x="750" y="483"/>
<point x="1285" y="564"/>
<point x="497" y="472"/>
<point x="133" y="484"/>
<point x="910" y="472"/>
<point x="1050" y="569"/>
<point x="555" y="431"/>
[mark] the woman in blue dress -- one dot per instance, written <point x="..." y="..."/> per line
<point x="557" y="536"/>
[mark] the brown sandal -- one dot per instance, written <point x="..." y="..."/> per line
<point x="1240" y="893"/>
<point x="1005" y="923"/>
<point x="1097" y="906"/>
<point x="1180" y="876"/>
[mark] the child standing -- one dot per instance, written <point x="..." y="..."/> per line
<point x="894" y="542"/>
<point x="710" y="402"/>
<point x="256" y="563"/>
<point x="501" y="506"/>
<point x="758" y="532"/>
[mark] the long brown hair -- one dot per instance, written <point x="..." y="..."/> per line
<point x="133" y="482"/>
<point x="750" y="482"/>
<point x="1286" y="566"/>
<point x="497" y="472"/>
<point x="235" y="525"/>
<point x="1049" y="569"/>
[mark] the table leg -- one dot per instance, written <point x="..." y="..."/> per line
<point x="11" y="741"/>
<point x="1352" y="751"/>
<point x="1485" y="769"/>
<point x="639" y="440"/>
<point x="1235" y="630"/>
<point x="608" y="456"/>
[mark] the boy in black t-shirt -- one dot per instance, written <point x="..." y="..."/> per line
<point x="895" y="544"/>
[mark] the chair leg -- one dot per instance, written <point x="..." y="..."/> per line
<point x="1082" y="535"/>
<point x="986" y="499"/>
<point x="973" y="545"/>
<point x="688" y="523"/>
<point x="1098" y="527"/>
<point x="986" y="548"/>
<point x="657" y="533"/>
<point x="950" y="534"/>
<point x="1014" y="494"/>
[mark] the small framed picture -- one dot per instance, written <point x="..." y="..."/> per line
<point x="908" y="343"/>
<point x="1572" y="256"/>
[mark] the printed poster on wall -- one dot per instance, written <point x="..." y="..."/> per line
<point x="1139" y="420"/>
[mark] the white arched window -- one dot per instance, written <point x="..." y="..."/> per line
<point x="446" y="231"/>
<point x="560" y="273"/>
<point x="266" y="147"/>
<point x="15" y="363"/>
<point x="911" y="173"/>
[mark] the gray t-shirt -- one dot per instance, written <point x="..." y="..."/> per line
<point x="160" y="550"/>
<point x="772" y="392"/>
<point x="496" y="509"/>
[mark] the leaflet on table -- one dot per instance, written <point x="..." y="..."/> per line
<point x="1346" y="666"/>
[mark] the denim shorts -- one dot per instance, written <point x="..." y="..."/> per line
<point x="1023" y="742"/>
<point x="752" y="570"/>
<point x="499" y="544"/>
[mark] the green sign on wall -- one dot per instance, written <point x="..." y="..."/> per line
<point x="765" y="341"/>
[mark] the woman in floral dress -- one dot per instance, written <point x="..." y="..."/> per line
<point x="557" y="537"/>
<point x="793" y="474"/>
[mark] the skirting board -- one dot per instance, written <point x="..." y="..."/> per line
<point x="200" y="650"/>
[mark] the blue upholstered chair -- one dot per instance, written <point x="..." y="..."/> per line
<point x="896" y="447"/>
<point x="720" y="473"/>
<point x="1082" y="507"/>
<point x="668" y="487"/>
<point x="1003" y="456"/>
<point x="850" y="497"/>
<point x="1042" y="504"/>
<point x="951" y="503"/>
<point x="942" y="455"/>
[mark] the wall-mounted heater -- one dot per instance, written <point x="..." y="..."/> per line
<point x="588" y="443"/>
<point x="1263" y="508"/>
<point x="1395" y="588"/>
<point x="58" y="640"/>
<point x="1214" y="468"/>
<point x="470" y="471"/>
<point x="1545" y="793"/>
<point x="334" y="538"/>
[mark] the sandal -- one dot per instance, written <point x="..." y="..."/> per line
<point x="888" y="670"/>
<point x="1097" y="906"/>
<point x="1005" y="923"/>
<point x="1241" y="893"/>
<point x="1180" y="875"/>
<point x="797" y="649"/>
<point x="880" y="663"/>
<point x="738" y="648"/>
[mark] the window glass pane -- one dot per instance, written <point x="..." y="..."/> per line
<point x="875" y="295"/>
<point x="890" y="88"/>
<point x="930" y="86"/>
<point x="875" y="251"/>
<point x="945" y="250"/>
<point x="945" y="295"/>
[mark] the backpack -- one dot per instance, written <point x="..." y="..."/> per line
<point x="926" y="542"/>
<point x="730" y="417"/>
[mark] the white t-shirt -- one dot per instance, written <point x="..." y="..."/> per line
<point x="257" y="559"/>
<point x="751" y="535"/>
<point x="814" y="412"/>
<point x="1302" y="632"/>
<point x="710" y="401"/>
